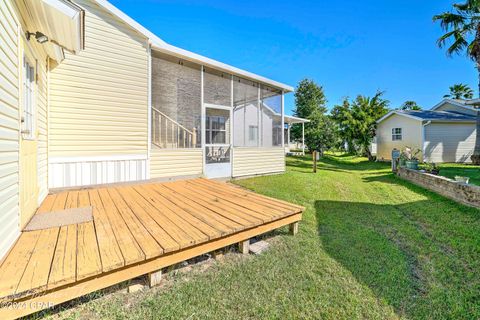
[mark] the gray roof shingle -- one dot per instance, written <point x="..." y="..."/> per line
<point x="438" y="115"/>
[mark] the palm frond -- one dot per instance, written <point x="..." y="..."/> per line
<point x="459" y="44"/>
<point x="449" y="20"/>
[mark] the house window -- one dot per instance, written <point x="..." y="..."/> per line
<point x="252" y="133"/>
<point x="28" y="118"/>
<point x="216" y="130"/>
<point x="396" y="134"/>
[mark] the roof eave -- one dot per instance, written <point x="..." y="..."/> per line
<point x="214" y="64"/>
<point x="391" y="113"/>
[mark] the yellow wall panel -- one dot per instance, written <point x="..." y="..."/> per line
<point x="253" y="161"/>
<point x="99" y="97"/>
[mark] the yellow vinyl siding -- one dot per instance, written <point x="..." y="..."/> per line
<point x="253" y="161"/>
<point x="99" y="98"/>
<point x="411" y="135"/>
<point x="175" y="162"/>
<point x="9" y="127"/>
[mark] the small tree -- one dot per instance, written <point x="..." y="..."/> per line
<point x="410" y="105"/>
<point x="310" y="103"/>
<point x="342" y="117"/>
<point x="357" y="120"/>
<point x="460" y="91"/>
<point x="321" y="134"/>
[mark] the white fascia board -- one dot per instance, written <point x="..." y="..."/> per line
<point x="292" y="119"/>
<point x="132" y="23"/>
<point x="450" y="101"/>
<point x="67" y="8"/>
<point x="391" y="113"/>
<point x="207" y="62"/>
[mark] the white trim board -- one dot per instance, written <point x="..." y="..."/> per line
<point x="391" y="113"/>
<point x="98" y="158"/>
<point x="452" y="102"/>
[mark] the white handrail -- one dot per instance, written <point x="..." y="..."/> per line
<point x="180" y="136"/>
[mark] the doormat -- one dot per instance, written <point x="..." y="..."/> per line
<point x="60" y="218"/>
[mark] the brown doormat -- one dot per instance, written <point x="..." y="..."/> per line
<point x="60" y="218"/>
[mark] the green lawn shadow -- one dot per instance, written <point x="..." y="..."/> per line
<point x="415" y="263"/>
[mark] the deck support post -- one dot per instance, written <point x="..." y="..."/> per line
<point x="244" y="246"/>
<point x="154" y="278"/>
<point x="293" y="228"/>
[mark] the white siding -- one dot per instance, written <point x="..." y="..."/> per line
<point x="9" y="128"/>
<point x="411" y="135"/>
<point x="451" y="107"/>
<point x="92" y="172"/>
<point x="449" y="142"/>
<point x="253" y="161"/>
<point x="175" y="162"/>
<point x="99" y="98"/>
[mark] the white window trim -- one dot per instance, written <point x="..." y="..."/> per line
<point x="396" y="134"/>
<point x="28" y="126"/>
<point x="256" y="130"/>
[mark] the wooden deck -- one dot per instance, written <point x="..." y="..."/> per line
<point x="137" y="229"/>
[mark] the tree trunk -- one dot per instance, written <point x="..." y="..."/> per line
<point x="476" y="151"/>
<point x="368" y="153"/>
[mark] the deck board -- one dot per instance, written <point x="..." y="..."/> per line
<point x="196" y="229"/>
<point x="89" y="262"/>
<point x="131" y="250"/>
<point x="180" y="236"/>
<point x="64" y="265"/>
<point x="208" y="224"/>
<point x="137" y="229"/>
<point x="110" y="253"/>
<point x="167" y="243"/>
<point x="144" y="239"/>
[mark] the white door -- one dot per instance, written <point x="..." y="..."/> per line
<point x="218" y="147"/>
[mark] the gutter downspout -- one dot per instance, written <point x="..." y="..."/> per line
<point x="423" y="139"/>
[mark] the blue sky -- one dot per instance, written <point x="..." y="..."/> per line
<point x="349" y="47"/>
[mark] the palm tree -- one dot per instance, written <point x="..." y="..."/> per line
<point x="460" y="91"/>
<point x="462" y="27"/>
<point x="410" y="105"/>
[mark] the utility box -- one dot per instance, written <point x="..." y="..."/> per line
<point x="395" y="159"/>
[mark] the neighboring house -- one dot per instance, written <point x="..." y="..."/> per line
<point x="446" y="133"/>
<point x="104" y="101"/>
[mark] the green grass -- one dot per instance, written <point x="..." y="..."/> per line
<point x="370" y="246"/>
<point x="450" y="170"/>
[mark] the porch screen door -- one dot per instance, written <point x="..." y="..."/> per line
<point x="218" y="142"/>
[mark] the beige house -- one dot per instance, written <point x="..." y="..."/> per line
<point x="89" y="96"/>
<point x="446" y="133"/>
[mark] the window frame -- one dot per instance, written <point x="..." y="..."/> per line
<point x="209" y="130"/>
<point x="397" y="134"/>
<point x="29" y="101"/>
<point x="253" y="129"/>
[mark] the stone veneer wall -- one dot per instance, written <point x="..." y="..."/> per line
<point x="460" y="192"/>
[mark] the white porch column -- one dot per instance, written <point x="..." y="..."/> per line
<point x="203" y="118"/>
<point x="288" y="135"/>
<point x="303" y="138"/>
<point x="283" y="120"/>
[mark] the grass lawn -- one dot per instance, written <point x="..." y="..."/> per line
<point x="370" y="246"/>
<point x="450" y="170"/>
